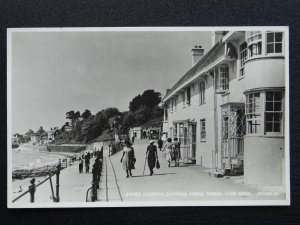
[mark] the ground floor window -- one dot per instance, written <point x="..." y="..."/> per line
<point x="202" y="130"/>
<point x="273" y="112"/>
<point x="264" y="112"/>
<point x="253" y="113"/>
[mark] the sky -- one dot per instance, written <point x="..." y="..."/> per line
<point x="55" y="72"/>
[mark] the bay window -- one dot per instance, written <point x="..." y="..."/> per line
<point x="254" y="43"/>
<point x="273" y="112"/>
<point x="243" y="58"/>
<point x="253" y="113"/>
<point x="264" y="112"/>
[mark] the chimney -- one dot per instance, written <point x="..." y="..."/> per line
<point x="197" y="53"/>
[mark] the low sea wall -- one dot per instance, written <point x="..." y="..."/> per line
<point x="66" y="148"/>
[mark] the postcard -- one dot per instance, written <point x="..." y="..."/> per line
<point x="148" y="116"/>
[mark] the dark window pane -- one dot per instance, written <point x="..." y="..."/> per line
<point x="278" y="37"/>
<point x="269" y="117"/>
<point x="277" y="106"/>
<point x="276" y="117"/>
<point x="270" y="48"/>
<point x="270" y="37"/>
<point x="268" y="127"/>
<point x="278" y="47"/>
<point x="277" y="96"/>
<point x="276" y="127"/>
<point x="269" y="96"/>
<point x="259" y="48"/>
<point x="269" y="106"/>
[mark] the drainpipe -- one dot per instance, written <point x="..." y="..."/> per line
<point x="215" y="150"/>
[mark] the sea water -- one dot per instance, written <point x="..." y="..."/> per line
<point x="31" y="157"/>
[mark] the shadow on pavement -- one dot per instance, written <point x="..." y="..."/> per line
<point x="155" y="174"/>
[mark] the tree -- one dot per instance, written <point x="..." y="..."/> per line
<point x="86" y="114"/>
<point x="135" y="103"/>
<point x="128" y="121"/>
<point x="41" y="131"/>
<point x="151" y="98"/>
<point x="71" y="115"/>
<point x="142" y="114"/>
<point x="29" y="132"/>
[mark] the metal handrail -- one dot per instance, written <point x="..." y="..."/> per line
<point x="87" y="193"/>
<point x="26" y="192"/>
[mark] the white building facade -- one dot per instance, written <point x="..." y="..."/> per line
<point x="228" y="109"/>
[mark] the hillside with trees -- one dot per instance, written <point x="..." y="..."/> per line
<point x="85" y="127"/>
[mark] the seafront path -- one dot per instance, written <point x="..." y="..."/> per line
<point x="185" y="183"/>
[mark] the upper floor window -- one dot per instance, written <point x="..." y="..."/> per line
<point x="183" y="99"/>
<point x="171" y="105"/>
<point x="253" y="113"/>
<point x="166" y="113"/>
<point x="254" y="39"/>
<point x="201" y="92"/>
<point x="273" y="110"/>
<point x="243" y="58"/>
<point x="224" y="78"/>
<point x="274" y="42"/>
<point x="188" y="95"/>
<point x="175" y="103"/>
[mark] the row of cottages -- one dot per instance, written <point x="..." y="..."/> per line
<point x="228" y="109"/>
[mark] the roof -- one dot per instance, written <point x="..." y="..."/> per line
<point x="210" y="57"/>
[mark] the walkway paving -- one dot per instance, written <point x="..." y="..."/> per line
<point x="184" y="183"/>
<point x="73" y="187"/>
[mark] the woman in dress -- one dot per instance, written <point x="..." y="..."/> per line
<point x="151" y="155"/>
<point x="176" y="151"/>
<point x="168" y="148"/>
<point x="128" y="158"/>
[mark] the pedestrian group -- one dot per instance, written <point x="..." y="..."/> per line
<point x="172" y="154"/>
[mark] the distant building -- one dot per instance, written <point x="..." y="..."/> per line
<point x="152" y="128"/>
<point x="35" y="138"/>
<point x="68" y="128"/>
<point x="228" y="109"/>
<point x="52" y="133"/>
<point x="135" y="132"/>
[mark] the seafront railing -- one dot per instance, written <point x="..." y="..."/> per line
<point x="96" y="171"/>
<point x="32" y="188"/>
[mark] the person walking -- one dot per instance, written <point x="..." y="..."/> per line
<point x="160" y="144"/>
<point x="168" y="148"/>
<point x="128" y="158"/>
<point x="176" y="151"/>
<point x="151" y="155"/>
<point x="80" y="165"/>
<point x="87" y="164"/>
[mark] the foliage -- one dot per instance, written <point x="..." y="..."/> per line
<point x="86" y="127"/>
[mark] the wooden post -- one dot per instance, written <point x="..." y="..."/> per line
<point x="57" y="199"/>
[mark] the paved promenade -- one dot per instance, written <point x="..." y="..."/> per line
<point x="184" y="183"/>
<point x="73" y="186"/>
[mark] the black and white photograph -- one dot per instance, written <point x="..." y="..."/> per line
<point x="148" y="116"/>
